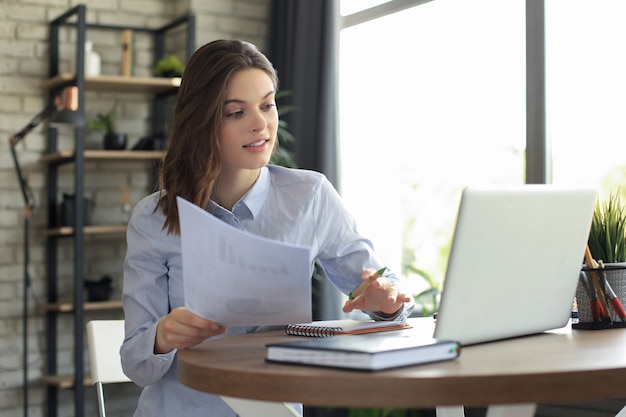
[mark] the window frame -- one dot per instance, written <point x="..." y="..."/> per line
<point x="538" y="168"/>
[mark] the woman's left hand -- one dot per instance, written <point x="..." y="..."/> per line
<point x="382" y="295"/>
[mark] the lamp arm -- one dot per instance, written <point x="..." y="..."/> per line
<point x="29" y="204"/>
<point x="25" y="189"/>
<point x="14" y="140"/>
<point x="34" y="122"/>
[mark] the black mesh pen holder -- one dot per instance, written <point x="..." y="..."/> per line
<point x="599" y="288"/>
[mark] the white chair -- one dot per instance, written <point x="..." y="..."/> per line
<point x="104" y="338"/>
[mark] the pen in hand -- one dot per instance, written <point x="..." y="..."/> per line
<point x="365" y="285"/>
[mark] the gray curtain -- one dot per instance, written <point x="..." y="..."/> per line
<point x="303" y="43"/>
<point x="304" y="37"/>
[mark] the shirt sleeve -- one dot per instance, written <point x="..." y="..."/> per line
<point x="145" y="296"/>
<point x="344" y="253"/>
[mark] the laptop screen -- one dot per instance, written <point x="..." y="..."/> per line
<point x="515" y="261"/>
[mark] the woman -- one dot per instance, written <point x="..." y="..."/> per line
<point x="224" y="132"/>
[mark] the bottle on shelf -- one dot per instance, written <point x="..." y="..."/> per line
<point x="92" y="60"/>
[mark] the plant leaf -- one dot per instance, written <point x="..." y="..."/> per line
<point x="607" y="237"/>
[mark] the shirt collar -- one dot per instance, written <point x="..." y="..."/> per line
<point x="252" y="201"/>
<point x="256" y="196"/>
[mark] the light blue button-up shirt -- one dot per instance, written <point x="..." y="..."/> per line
<point x="290" y="205"/>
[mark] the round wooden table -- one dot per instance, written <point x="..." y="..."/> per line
<point x="559" y="366"/>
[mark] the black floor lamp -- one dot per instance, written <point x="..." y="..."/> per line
<point x="66" y="116"/>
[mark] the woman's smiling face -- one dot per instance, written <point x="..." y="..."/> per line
<point x="249" y="124"/>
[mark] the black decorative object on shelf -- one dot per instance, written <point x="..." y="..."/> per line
<point x="99" y="290"/>
<point x="67" y="210"/>
<point x="150" y="143"/>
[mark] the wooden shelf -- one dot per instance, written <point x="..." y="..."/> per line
<point x="93" y="306"/>
<point x="152" y="85"/>
<point x="87" y="230"/>
<point x="96" y="154"/>
<point x="63" y="381"/>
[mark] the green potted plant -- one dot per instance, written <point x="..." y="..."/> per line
<point x="113" y="140"/>
<point x="607" y="244"/>
<point x="607" y="237"/>
<point x="170" y="66"/>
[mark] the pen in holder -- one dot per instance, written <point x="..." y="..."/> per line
<point x="600" y="288"/>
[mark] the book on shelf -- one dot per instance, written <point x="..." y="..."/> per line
<point x="371" y="352"/>
<point x="326" y="328"/>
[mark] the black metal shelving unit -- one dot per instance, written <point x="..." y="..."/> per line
<point x="159" y="89"/>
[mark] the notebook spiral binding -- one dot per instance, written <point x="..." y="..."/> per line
<point x="310" y="331"/>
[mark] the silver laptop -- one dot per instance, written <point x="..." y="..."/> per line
<point x="515" y="261"/>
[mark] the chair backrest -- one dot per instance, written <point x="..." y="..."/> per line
<point x="104" y="339"/>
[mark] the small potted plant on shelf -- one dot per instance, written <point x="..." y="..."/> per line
<point x="113" y="140"/>
<point x="170" y="66"/>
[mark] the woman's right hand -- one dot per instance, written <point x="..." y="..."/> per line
<point x="181" y="329"/>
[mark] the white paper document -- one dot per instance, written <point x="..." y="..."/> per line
<point x="236" y="278"/>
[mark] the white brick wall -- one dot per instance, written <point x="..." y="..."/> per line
<point x="23" y="67"/>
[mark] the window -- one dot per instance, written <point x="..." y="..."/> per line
<point x="432" y="98"/>
<point x="586" y="92"/>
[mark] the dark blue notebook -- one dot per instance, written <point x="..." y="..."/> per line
<point x="363" y="352"/>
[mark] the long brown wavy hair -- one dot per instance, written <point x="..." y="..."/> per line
<point x="193" y="162"/>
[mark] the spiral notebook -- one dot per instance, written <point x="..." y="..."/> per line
<point x="326" y="328"/>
